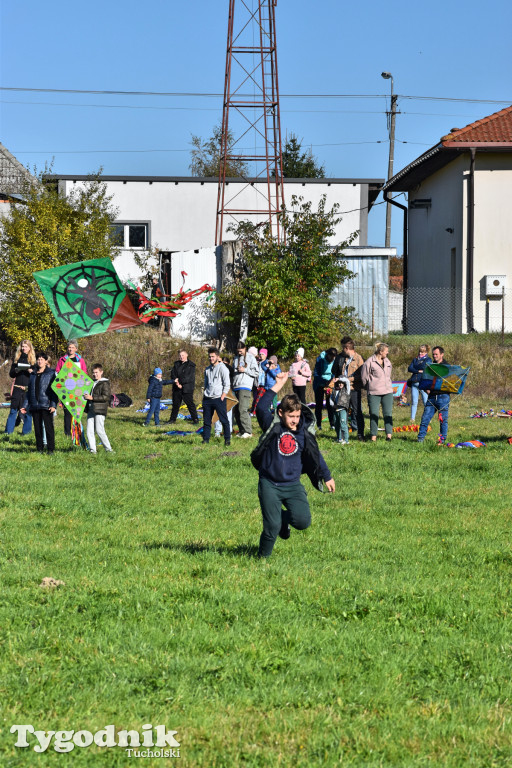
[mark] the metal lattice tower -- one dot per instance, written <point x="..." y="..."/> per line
<point x="251" y="65"/>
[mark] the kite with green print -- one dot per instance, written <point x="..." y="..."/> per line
<point x="87" y="297"/>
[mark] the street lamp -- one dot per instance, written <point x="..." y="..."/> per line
<point x="391" y="128"/>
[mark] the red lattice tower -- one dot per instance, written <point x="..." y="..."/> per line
<point x="251" y="64"/>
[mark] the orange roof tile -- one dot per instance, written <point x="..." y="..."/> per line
<point x="496" y="128"/>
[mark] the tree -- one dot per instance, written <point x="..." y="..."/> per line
<point x="44" y="231"/>
<point x="298" y="164"/>
<point x="205" y="156"/>
<point x="286" y="288"/>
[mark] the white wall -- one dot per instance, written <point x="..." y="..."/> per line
<point x="182" y="213"/>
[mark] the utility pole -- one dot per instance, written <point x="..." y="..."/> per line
<point x="391" y="116"/>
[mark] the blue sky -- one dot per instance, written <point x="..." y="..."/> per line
<point x="450" y="51"/>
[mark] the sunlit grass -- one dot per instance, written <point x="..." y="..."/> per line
<point x="378" y="637"/>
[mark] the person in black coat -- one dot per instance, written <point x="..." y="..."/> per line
<point x="183" y="375"/>
<point x="42" y="401"/>
<point x="23" y="365"/>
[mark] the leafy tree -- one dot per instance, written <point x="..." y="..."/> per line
<point x="298" y="164"/>
<point x="286" y="288"/>
<point x="45" y="231"/>
<point x="396" y="266"/>
<point x="205" y="156"/>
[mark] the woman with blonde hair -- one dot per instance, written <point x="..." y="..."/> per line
<point x="23" y="364"/>
<point x="417" y="367"/>
<point x="376" y="377"/>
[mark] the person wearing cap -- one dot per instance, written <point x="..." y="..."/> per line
<point x="153" y="395"/>
<point x="246" y="371"/>
<point x="300" y="374"/>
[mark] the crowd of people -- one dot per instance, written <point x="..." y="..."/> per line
<point x="251" y="383"/>
<point x="338" y="381"/>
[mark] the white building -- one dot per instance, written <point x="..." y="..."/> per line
<point x="459" y="262"/>
<point x="178" y="213"/>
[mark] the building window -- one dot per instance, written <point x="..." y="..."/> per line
<point x="129" y="235"/>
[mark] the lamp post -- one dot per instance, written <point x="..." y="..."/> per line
<point x="391" y="126"/>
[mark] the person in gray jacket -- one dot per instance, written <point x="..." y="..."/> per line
<point x="216" y="387"/>
<point x="246" y="372"/>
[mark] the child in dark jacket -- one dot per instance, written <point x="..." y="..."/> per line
<point x="153" y="395"/>
<point x="286" y="449"/>
<point x="340" y="402"/>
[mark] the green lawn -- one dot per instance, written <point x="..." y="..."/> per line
<point x="381" y="636"/>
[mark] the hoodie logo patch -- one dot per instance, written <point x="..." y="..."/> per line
<point x="287" y="444"/>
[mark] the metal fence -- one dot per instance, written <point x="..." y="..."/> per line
<point x="432" y="310"/>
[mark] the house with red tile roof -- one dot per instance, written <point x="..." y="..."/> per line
<point x="458" y="230"/>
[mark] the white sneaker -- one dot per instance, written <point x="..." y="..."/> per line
<point x="245" y="435"/>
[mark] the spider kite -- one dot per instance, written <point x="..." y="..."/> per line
<point x="87" y="298"/>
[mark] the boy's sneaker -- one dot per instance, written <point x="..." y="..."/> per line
<point x="245" y="435"/>
<point x="284" y="533"/>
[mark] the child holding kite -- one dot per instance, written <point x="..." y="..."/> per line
<point x="153" y="395"/>
<point x="287" y="448"/>
<point x="97" y="409"/>
<point x="71" y="354"/>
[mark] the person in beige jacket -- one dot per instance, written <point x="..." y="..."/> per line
<point x="376" y="378"/>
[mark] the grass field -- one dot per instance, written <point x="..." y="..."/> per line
<point x="381" y="636"/>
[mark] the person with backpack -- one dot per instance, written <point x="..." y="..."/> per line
<point x="287" y="448"/>
<point x="300" y="374"/>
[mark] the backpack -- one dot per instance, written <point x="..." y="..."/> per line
<point x="120" y="401"/>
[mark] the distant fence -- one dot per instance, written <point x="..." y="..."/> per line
<point x="433" y="310"/>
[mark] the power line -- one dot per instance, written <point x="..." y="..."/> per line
<point x="282" y="95"/>
<point x="143" y="151"/>
<point x="215" y="109"/>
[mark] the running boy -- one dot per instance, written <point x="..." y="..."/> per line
<point x="97" y="409"/>
<point x="286" y="449"/>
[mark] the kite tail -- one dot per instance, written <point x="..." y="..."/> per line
<point x="77" y="433"/>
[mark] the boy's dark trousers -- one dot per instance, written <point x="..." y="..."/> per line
<point x="188" y="398"/>
<point x="211" y="404"/>
<point x="356" y="416"/>
<point x="272" y="500"/>
<point x="40" y="417"/>
<point x="319" y="404"/>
